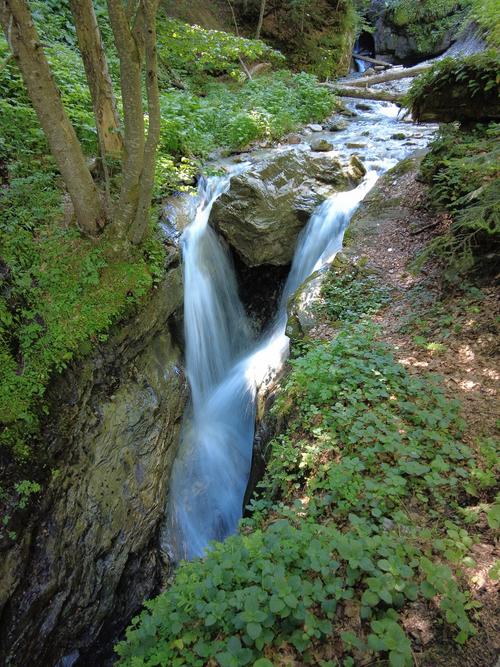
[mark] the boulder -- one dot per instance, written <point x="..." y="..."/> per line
<point x="321" y="145"/>
<point x="266" y="207"/>
<point x="336" y="125"/>
<point x="315" y="127"/>
<point x="356" y="168"/>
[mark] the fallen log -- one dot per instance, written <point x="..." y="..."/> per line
<point x="390" y="75"/>
<point x="365" y="93"/>
<point x="373" y="61"/>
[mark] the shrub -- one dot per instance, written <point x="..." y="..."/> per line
<point x="462" y="170"/>
<point x="462" y="89"/>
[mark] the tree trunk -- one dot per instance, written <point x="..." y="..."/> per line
<point x="96" y="69"/>
<point x="22" y="37"/>
<point x="373" y="61"/>
<point x="129" y="47"/>
<point x="365" y="93"/>
<point x="140" y="224"/>
<point x="261" y="18"/>
<point x="391" y="75"/>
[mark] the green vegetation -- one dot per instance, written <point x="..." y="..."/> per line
<point x="462" y="170"/>
<point x="360" y="514"/>
<point x="458" y="89"/>
<point x="348" y="292"/>
<point x="428" y="21"/>
<point x="61" y="293"/>
<point x="485" y="12"/>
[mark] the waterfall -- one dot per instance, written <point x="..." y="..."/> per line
<point x="210" y="473"/>
<point x="225" y="369"/>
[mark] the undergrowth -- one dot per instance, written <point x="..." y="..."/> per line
<point x="457" y="89"/>
<point x="462" y="171"/>
<point x="358" y="517"/>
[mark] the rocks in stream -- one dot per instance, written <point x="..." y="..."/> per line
<point x="267" y="206"/>
<point x="90" y="556"/>
<point x="321" y="145"/>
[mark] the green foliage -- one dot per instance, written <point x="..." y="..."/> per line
<point x="428" y="21"/>
<point x="232" y="116"/>
<point x="475" y="77"/>
<point x="462" y="169"/>
<point x="368" y="449"/>
<point x="350" y="292"/>
<point x="189" y="50"/>
<point x="485" y="12"/>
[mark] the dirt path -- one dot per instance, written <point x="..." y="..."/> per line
<point x="453" y="334"/>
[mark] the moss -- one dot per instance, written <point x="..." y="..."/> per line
<point x="428" y="21"/>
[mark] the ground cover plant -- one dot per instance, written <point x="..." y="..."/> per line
<point x="360" y="516"/>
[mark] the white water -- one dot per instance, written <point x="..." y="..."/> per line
<point x="225" y="367"/>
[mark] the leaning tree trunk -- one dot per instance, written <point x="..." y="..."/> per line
<point x="96" y="69"/>
<point x="19" y="29"/>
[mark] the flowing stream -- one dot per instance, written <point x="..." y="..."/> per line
<point x="225" y="364"/>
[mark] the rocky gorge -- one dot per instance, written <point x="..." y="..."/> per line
<point x="114" y="427"/>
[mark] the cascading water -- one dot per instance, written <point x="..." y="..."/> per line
<point x="225" y="367"/>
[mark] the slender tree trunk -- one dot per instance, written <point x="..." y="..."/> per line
<point x="140" y="224"/>
<point x="129" y="52"/>
<point x="17" y="23"/>
<point x="261" y="18"/>
<point x="96" y="69"/>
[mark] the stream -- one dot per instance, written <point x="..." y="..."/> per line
<point x="225" y="363"/>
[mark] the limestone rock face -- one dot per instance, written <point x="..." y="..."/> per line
<point x="267" y="206"/>
<point x="90" y="554"/>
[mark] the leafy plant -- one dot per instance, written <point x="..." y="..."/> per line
<point x="462" y="170"/>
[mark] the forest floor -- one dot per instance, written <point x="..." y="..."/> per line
<point x="452" y="332"/>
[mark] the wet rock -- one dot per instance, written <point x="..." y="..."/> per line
<point x="293" y="138"/>
<point x="321" y="145"/>
<point x="362" y="106"/>
<point x="315" y="127"/>
<point x="399" y="136"/>
<point x="356" y="168"/>
<point x="177" y="213"/>
<point x="303" y="307"/>
<point x="89" y="556"/>
<point x="266" y="207"/>
<point x="355" y="144"/>
<point x="336" y="125"/>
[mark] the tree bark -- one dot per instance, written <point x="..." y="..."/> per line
<point x="19" y="29"/>
<point x="391" y="75"/>
<point x="129" y="47"/>
<point x="261" y="18"/>
<point x="96" y="69"/>
<point x="140" y="224"/>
